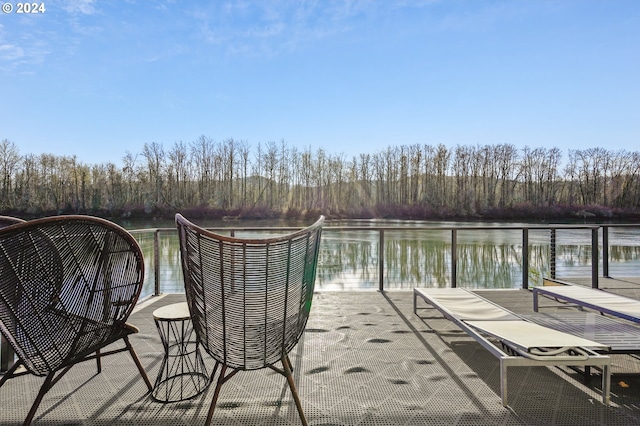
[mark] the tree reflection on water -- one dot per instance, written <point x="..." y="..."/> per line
<point x="349" y="260"/>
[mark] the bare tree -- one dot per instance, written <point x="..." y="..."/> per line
<point x="178" y="174"/>
<point x="243" y="151"/>
<point x="201" y="155"/>
<point x="154" y="154"/>
<point x="9" y="160"/>
<point x="462" y="169"/>
<point x="506" y="162"/>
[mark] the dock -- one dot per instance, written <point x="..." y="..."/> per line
<point x="365" y="359"/>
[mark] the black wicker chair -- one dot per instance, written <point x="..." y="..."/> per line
<point x="67" y="287"/>
<point x="249" y="299"/>
<point x="6" y="352"/>
<point x="9" y="220"/>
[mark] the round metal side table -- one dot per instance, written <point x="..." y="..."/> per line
<point x="182" y="374"/>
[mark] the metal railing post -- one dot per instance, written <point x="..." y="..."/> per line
<point x="525" y="258"/>
<point x="553" y="254"/>
<point x="594" y="258"/>
<point x="454" y="258"/>
<point x="156" y="261"/>
<point x="381" y="261"/>
<point x="605" y="251"/>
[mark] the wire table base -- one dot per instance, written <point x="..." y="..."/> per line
<point x="183" y="373"/>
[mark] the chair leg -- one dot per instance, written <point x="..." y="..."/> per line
<point x="98" y="362"/>
<point x="216" y="393"/>
<point x="9" y="373"/>
<point x="143" y="373"/>
<point x="286" y="364"/>
<point x="43" y="390"/>
<point x="222" y="379"/>
<point x="215" y="369"/>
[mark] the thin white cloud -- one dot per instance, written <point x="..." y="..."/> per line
<point x="482" y="17"/>
<point x="273" y="27"/>
<point x="166" y="53"/>
<point x="28" y="42"/>
<point x="19" y="52"/>
<point x="267" y="31"/>
<point x="84" y="7"/>
<point x="10" y="52"/>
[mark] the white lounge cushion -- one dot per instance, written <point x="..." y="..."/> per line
<point x="527" y="335"/>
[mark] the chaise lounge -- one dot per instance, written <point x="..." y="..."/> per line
<point x="591" y="298"/>
<point x="523" y="343"/>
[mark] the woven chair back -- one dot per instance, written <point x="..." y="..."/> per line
<point x="249" y="298"/>
<point x="67" y="285"/>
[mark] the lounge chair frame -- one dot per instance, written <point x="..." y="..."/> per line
<point x="514" y="356"/>
<point x="621" y="337"/>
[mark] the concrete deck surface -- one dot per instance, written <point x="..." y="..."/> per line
<point x="365" y="359"/>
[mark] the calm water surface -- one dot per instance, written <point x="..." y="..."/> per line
<point x="349" y="260"/>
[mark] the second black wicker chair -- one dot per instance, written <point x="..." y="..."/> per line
<point x="67" y="287"/>
<point x="249" y="299"/>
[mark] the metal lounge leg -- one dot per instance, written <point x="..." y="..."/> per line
<point x="503" y="383"/>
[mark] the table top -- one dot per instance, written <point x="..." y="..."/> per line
<point x="174" y="312"/>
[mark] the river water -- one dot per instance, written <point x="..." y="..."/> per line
<point x="350" y="260"/>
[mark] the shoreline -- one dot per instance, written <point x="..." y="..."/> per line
<point x="556" y="214"/>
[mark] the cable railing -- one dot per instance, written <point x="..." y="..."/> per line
<point x="402" y="257"/>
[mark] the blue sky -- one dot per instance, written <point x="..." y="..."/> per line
<point x="98" y="78"/>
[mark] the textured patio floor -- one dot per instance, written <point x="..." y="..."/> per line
<point x="365" y="359"/>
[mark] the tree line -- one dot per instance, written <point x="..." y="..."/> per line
<point x="230" y="178"/>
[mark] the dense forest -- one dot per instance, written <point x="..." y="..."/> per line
<point x="208" y="178"/>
